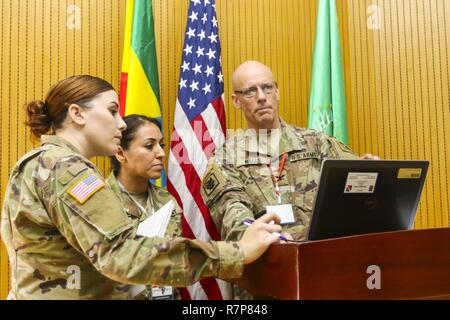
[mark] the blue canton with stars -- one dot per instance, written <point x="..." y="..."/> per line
<point x="201" y="79"/>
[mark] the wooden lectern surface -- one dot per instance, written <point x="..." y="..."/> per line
<point x="393" y="265"/>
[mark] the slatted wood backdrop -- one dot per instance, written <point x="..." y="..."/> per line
<point x="396" y="60"/>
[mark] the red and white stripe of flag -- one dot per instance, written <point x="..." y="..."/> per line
<point x="192" y="145"/>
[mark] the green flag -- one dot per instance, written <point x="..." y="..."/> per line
<point x="327" y="111"/>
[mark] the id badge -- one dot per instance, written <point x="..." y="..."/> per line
<point x="162" y="293"/>
<point x="284" y="211"/>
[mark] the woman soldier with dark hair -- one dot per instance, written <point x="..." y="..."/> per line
<point x="65" y="230"/>
<point x="140" y="158"/>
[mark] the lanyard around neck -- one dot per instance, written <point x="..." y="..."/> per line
<point x="140" y="207"/>
<point x="276" y="179"/>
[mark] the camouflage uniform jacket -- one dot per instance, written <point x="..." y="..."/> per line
<point x="157" y="197"/>
<point x="238" y="183"/>
<point x="60" y="248"/>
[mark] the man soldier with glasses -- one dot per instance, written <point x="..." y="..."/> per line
<point x="271" y="163"/>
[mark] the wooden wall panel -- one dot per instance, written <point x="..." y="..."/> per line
<point x="400" y="90"/>
<point x="396" y="71"/>
<point x="38" y="46"/>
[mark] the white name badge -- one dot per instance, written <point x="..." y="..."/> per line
<point x="284" y="211"/>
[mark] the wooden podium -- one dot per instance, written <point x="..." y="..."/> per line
<point x="393" y="265"/>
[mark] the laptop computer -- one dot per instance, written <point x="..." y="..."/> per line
<point x="366" y="196"/>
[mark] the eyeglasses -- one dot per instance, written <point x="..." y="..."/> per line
<point x="252" y="91"/>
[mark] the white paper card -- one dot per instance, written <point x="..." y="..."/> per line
<point x="156" y="224"/>
<point x="284" y="211"/>
<point x="361" y="182"/>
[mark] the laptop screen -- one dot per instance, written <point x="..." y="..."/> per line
<point x="366" y="196"/>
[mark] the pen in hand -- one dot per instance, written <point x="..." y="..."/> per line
<point x="248" y="222"/>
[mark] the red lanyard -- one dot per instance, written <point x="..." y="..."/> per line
<point x="276" y="179"/>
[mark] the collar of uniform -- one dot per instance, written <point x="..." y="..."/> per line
<point x="256" y="146"/>
<point x="291" y="140"/>
<point x="244" y="152"/>
<point x="153" y="191"/>
<point x="255" y="142"/>
<point x="160" y="196"/>
<point x="59" y="141"/>
<point x="112" y="182"/>
<point x="114" y="185"/>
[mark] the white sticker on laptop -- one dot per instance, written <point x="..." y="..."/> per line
<point x="361" y="182"/>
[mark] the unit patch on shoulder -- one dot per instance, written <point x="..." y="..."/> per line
<point x="211" y="184"/>
<point x="84" y="189"/>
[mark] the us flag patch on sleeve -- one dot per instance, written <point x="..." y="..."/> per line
<point x="84" y="189"/>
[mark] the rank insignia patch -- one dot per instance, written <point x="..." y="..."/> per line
<point x="211" y="184"/>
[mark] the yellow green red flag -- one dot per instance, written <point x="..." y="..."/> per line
<point x="139" y="86"/>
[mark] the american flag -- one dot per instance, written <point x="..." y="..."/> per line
<point x="199" y="128"/>
<point x="84" y="189"/>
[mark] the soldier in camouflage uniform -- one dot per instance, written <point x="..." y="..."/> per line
<point x="240" y="180"/>
<point x="140" y="158"/>
<point x="64" y="228"/>
<point x="158" y="197"/>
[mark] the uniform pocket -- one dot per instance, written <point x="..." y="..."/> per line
<point x="306" y="175"/>
<point x="259" y="187"/>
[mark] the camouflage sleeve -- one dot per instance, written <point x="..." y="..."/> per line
<point x="331" y="148"/>
<point x="93" y="221"/>
<point x="225" y="196"/>
<point x="174" y="226"/>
